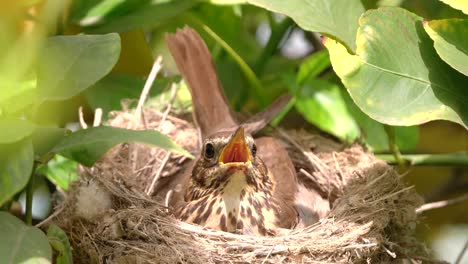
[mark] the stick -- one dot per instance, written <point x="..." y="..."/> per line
<point x="440" y="204"/>
<point x="158" y="174"/>
<point x="148" y="84"/>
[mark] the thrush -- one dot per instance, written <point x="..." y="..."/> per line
<point x="237" y="183"/>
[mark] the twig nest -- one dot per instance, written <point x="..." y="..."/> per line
<point x="371" y="220"/>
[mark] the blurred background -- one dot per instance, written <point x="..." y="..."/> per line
<point x="259" y="56"/>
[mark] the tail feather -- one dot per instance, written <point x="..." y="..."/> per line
<point x="211" y="110"/>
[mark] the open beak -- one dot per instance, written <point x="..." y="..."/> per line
<point x="236" y="151"/>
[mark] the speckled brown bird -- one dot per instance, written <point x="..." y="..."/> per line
<point x="237" y="183"/>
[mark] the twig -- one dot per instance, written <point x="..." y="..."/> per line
<point x="148" y="84"/>
<point x="460" y="256"/>
<point x="97" y="117"/>
<point x="150" y="190"/>
<point x="168" y="198"/>
<point x="440" y="204"/>
<point x="390" y="130"/>
<point x="50" y="217"/>
<point x="268" y="255"/>
<point x="453" y="159"/>
<point x="169" y="105"/>
<point x="81" y="118"/>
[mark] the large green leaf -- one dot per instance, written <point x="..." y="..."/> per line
<point x="21" y="243"/>
<point x="70" y="64"/>
<point x="14" y="129"/>
<point x="396" y="76"/>
<point x="108" y="92"/>
<point x="44" y="138"/>
<point x="450" y="41"/>
<point x="373" y="133"/>
<point x="147" y="14"/>
<point x="88" y="145"/>
<point x="16" y="163"/>
<point x="59" y="241"/>
<point x="458" y="4"/>
<point x="336" y="18"/>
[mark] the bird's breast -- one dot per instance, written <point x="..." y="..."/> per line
<point x="236" y="206"/>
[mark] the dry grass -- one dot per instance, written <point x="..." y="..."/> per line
<point x="371" y="220"/>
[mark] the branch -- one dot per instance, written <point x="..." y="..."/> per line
<point x="454" y="159"/>
<point x="440" y="204"/>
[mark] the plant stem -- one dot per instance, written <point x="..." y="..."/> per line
<point x="393" y="146"/>
<point x="29" y="195"/>
<point x="453" y="159"/>
<point x="277" y="33"/>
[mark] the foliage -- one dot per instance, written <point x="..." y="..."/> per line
<point x="401" y="66"/>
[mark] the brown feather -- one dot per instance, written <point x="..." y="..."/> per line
<point x="212" y="112"/>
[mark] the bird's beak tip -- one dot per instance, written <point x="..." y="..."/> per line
<point x="236" y="151"/>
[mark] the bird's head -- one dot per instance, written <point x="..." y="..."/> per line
<point x="225" y="153"/>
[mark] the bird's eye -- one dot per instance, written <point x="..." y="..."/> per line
<point x="254" y="150"/>
<point x="209" y="151"/>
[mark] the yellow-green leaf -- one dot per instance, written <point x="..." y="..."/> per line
<point x="450" y="38"/>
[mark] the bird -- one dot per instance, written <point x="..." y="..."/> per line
<point x="237" y="183"/>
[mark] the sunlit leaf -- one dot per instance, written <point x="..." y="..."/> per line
<point x="70" y="64"/>
<point x="21" y="243"/>
<point x="88" y="145"/>
<point x="321" y="104"/>
<point x="145" y="15"/>
<point x="337" y="18"/>
<point x="399" y="84"/>
<point x="14" y="129"/>
<point x="458" y="4"/>
<point x="450" y="41"/>
<point x="61" y="171"/>
<point x="313" y="65"/>
<point x="59" y="241"/>
<point x="106" y="10"/>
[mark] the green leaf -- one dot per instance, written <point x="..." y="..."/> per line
<point x="373" y="132"/>
<point x="458" y="4"/>
<point x="450" y="41"/>
<point x="108" y="92"/>
<point x="313" y="65"/>
<point x="335" y="18"/>
<point x="16" y="163"/>
<point x="321" y="103"/>
<point x="16" y="95"/>
<point x="108" y="10"/>
<point x="21" y="243"/>
<point x="44" y="138"/>
<point x="88" y="145"/>
<point x="61" y="171"/>
<point x="12" y="129"/>
<point x="59" y="241"/>
<point x="148" y="14"/>
<point x="70" y="64"/>
<point x="396" y="77"/>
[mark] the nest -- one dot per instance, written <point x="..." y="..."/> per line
<point x="114" y="214"/>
